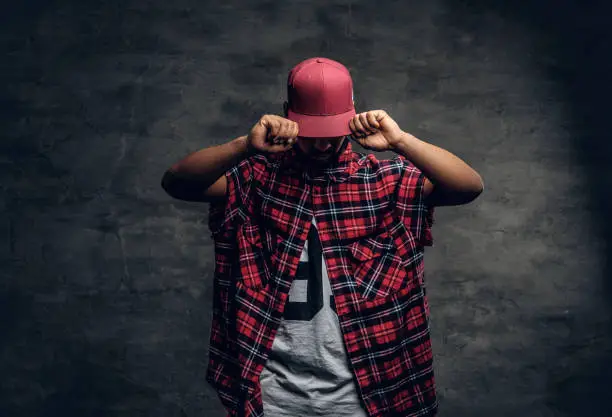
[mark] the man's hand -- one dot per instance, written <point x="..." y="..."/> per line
<point x="272" y="134"/>
<point x="375" y="130"/>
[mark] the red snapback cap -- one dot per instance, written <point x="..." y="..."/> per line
<point x="320" y="98"/>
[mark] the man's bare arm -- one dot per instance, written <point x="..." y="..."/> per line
<point x="200" y="176"/>
<point x="449" y="180"/>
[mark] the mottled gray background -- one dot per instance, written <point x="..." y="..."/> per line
<point x="105" y="296"/>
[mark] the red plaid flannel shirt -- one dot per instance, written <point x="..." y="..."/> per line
<point x="373" y="225"/>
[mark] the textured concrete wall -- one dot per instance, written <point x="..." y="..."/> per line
<point x="105" y="298"/>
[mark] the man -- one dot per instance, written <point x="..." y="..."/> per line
<point x="319" y="302"/>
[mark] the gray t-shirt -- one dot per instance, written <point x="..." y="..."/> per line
<point x="307" y="373"/>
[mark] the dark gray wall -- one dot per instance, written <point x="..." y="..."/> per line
<point x="105" y="298"/>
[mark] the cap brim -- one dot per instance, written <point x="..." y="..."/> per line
<point x="322" y="126"/>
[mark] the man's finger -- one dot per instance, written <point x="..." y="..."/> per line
<point x="372" y="120"/>
<point x="363" y="117"/>
<point x="358" y="126"/>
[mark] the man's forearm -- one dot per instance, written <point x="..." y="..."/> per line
<point x="207" y="165"/>
<point x="440" y="166"/>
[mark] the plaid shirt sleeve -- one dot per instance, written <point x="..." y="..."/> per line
<point x="223" y="214"/>
<point x="417" y="215"/>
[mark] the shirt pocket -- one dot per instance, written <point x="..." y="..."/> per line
<point x="380" y="267"/>
<point x="253" y="268"/>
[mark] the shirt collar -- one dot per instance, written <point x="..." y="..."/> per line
<point x="339" y="168"/>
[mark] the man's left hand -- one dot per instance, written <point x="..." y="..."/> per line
<point x="375" y="130"/>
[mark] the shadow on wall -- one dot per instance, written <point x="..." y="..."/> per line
<point x="571" y="41"/>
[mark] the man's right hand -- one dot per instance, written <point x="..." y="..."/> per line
<point x="272" y="134"/>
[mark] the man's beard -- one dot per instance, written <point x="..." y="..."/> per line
<point x="323" y="156"/>
<point x="326" y="159"/>
<point x="320" y="160"/>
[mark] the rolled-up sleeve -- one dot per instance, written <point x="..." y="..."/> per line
<point x="411" y="205"/>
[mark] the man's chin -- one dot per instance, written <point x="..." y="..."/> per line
<point x="320" y="160"/>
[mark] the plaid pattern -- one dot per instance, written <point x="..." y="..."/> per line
<point x="373" y="225"/>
